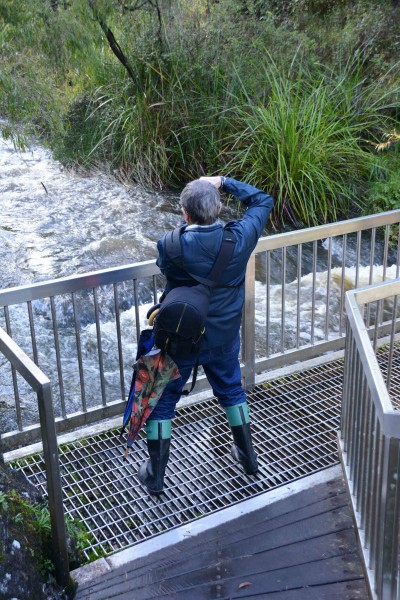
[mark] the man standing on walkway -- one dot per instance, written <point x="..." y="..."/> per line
<point x="200" y="243"/>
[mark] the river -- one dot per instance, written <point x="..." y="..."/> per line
<point x="55" y="222"/>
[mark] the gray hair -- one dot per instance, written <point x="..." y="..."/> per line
<point x="202" y="202"/>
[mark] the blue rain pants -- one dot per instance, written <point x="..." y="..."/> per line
<point x="222" y="368"/>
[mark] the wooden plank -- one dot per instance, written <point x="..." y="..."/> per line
<point x="310" y="584"/>
<point x="188" y="554"/>
<point x="321" y="500"/>
<point x="227" y="562"/>
<point x="348" y="590"/>
<point x="304" y="544"/>
<point x="332" y="570"/>
<point x="301" y="554"/>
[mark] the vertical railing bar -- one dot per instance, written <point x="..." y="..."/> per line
<point x="268" y="298"/>
<point x="357" y="432"/>
<point x="371" y="272"/>
<point x="351" y="354"/>
<point x="379" y="563"/>
<point x="389" y="525"/>
<point x="366" y="475"/>
<point x="394" y="575"/>
<point x="283" y="300"/>
<point x="58" y="356"/>
<point x="398" y="253"/>
<point x="353" y="412"/>
<point x="358" y="255"/>
<point x="385" y="252"/>
<point x="299" y="259"/>
<point x="376" y="519"/>
<point x="33" y="334"/>
<point x="375" y="338"/>
<point x="342" y="286"/>
<point x="328" y="289"/>
<point x="136" y="303"/>
<point x="14" y="374"/>
<point x="361" y="455"/>
<point x="119" y="341"/>
<point x="391" y="344"/>
<point x="313" y="290"/>
<point x="79" y="353"/>
<point x="372" y="467"/>
<point x="99" y="347"/>
<point x="385" y="261"/>
<point x="345" y="389"/>
<point x="248" y="325"/>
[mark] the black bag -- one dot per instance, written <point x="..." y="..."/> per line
<point x="179" y="326"/>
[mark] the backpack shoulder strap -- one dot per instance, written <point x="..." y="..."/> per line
<point x="223" y="257"/>
<point x="172" y="246"/>
<point x="221" y="262"/>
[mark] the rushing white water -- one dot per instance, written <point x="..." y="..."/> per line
<point x="55" y="223"/>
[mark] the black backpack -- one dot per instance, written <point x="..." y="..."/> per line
<point x="179" y="326"/>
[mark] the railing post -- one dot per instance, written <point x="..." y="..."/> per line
<point x="248" y="326"/>
<point x="387" y="558"/>
<point x="54" y="488"/>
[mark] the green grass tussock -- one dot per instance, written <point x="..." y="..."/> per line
<point x="306" y="140"/>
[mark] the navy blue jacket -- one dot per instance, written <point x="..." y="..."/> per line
<point x="200" y="246"/>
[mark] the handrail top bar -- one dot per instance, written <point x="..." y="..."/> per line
<point x="74" y="283"/>
<point x="291" y="238"/>
<point x="379" y="393"/>
<point x="24" y="365"/>
<point x="378" y="291"/>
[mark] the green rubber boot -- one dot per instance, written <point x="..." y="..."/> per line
<point x="242" y="448"/>
<point x="151" y="473"/>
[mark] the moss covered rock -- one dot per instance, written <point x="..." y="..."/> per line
<point x="25" y="550"/>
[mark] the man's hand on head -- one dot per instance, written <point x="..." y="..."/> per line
<point x="215" y="180"/>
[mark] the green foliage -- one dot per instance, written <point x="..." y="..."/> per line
<point x="211" y="86"/>
<point x="35" y="518"/>
<point x="3" y="502"/>
<point x="305" y="140"/>
<point x="339" y="27"/>
<point x="46" y="58"/>
<point x="383" y="192"/>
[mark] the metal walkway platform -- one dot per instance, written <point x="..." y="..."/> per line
<point x="294" y="543"/>
<point x="294" y="423"/>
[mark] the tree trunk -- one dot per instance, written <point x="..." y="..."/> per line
<point x="115" y="47"/>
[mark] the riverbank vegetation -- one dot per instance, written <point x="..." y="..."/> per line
<point x="294" y="95"/>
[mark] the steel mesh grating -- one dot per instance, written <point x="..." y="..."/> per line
<point x="294" y="425"/>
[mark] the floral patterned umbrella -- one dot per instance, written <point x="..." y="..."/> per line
<point x="153" y="371"/>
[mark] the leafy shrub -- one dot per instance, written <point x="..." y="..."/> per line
<point x="383" y="192"/>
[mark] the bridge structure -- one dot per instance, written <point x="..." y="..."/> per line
<point x="319" y="362"/>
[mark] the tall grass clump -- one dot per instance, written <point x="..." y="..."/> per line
<point x="308" y="140"/>
<point x="163" y="132"/>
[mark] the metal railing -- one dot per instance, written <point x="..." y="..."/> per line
<point x="82" y="330"/>
<point x="369" y="438"/>
<point x="41" y="386"/>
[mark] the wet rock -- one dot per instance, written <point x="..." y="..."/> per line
<point x="23" y="551"/>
